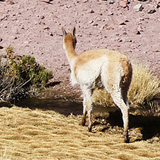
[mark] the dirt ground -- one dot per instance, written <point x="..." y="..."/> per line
<point x="34" y="28"/>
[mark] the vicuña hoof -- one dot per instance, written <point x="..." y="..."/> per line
<point x="83" y="121"/>
<point x="90" y="129"/>
<point x="127" y="139"/>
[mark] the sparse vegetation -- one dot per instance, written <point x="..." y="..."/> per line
<point x="144" y="85"/>
<point x="143" y="88"/>
<point x="21" y="76"/>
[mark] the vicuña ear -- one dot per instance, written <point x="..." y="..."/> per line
<point x="63" y="31"/>
<point x="74" y="32"/>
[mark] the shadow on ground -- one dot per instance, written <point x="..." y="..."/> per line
<point x="62" y="106"/>
<point x="150" y="124"/>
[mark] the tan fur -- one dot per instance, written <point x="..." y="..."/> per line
<point x="69" y="41"/>
<point x="110" y="68"/>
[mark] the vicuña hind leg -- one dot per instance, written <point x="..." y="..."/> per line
<point x="118" y="100"/>
<point x="87" y="107"/>
<point x="84" y="112"/>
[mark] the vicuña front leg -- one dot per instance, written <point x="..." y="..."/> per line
<point x="89" y="113"/>
<point x="87" y="107"/>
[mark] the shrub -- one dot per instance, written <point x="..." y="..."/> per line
<point x="144" y="87"/>
<point x="21" y="76"/>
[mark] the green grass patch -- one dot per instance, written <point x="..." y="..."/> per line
<point x="21" y="76"/>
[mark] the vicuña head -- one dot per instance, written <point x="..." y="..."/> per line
<point x="110" y="68"/>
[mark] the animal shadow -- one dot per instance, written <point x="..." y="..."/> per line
<point x="150" y="125"/>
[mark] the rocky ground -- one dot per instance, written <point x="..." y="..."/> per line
<point x="34" y="28"/>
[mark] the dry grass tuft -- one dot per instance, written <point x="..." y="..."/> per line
<point x="143" y="88"/>
<point x="144" y="85"/>
<point x="102" y="97"/>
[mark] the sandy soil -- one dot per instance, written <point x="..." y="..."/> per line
<point x="34" y="28"/>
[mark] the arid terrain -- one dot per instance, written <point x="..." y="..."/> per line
<point x="51" y="129"/>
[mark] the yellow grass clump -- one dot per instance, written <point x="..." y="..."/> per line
<point x="144" y="87"/>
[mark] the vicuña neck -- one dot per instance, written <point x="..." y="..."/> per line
<point x="70" y="51"/>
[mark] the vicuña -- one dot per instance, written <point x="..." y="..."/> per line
<point x="112" y="68"/>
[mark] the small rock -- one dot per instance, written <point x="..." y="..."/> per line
<point x="92" y="11"/>
<point x="95" y="24"/>
<point x="47" y="1"/>
<point x="46" y="28"/>
<point x="140" y="29"/>
<point x="51" y="34"/>
<point x="111" y="1"/>
<point x="137" y="32"/>
<point x="122" y="23"/>
<point x="1" y="47"/>
<point x="90" y="22"/>
<point x="68" y="6"/>
<point x="85" y="1"/>
<point x="151" y="11"/>
<point x="138" y="7"/>
<point x="10" y="2"/>
<point x="110" y="13"/>
<point x="123" y="3"/>
<point x="26" y="42"/>
<point x="158" y="5"/>
<point x="42" y="17"/>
